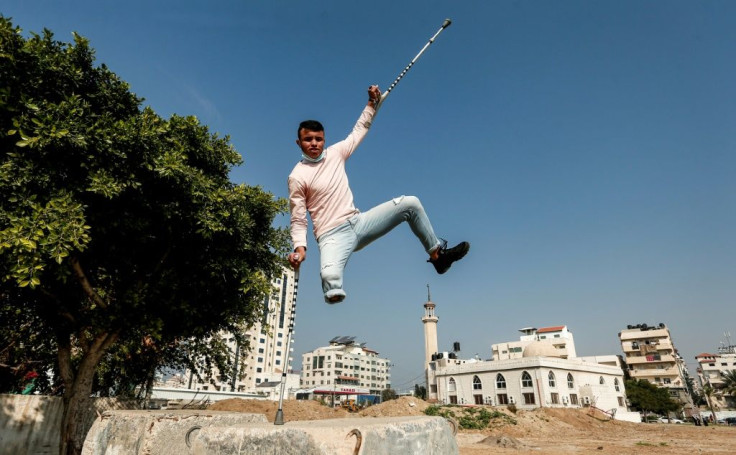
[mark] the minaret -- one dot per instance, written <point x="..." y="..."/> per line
<point x="430" y="329"/>
<point x="430" y="347"/>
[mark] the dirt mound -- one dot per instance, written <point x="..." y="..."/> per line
<point x="506" y="442"/>
<point x="549" y="421"/>
<point x="402" y="406"/>
<point x="293" y="409"/>
<point x="313" y="410"/>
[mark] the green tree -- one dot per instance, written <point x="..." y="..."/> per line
<point x="729" y="382"/>
<point x="388" y="394"/>
<point x="420" y="391"/>
<point x="647" y="397"/>
<point x="708" y="392"/>
<point x="121" y="236"/>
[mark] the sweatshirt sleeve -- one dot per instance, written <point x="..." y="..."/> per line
<point x="298" y="208"/>
<point x="348" y="145"/>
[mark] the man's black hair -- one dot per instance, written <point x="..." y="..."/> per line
<point x="311" y="125"/>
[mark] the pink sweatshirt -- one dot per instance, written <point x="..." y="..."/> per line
<point x="322" y="188"/>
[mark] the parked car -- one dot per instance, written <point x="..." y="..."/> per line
<point x="730" y="421"/>
<point x="665" y="420"/>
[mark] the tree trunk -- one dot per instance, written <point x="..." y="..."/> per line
<point x="77" y="390"/>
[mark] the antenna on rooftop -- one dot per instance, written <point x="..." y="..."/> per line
<point x="429" y="296"/>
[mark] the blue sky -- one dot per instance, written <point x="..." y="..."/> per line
<point x="584" y="148"/>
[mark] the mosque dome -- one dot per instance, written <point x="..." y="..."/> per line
<point x="540" y="349"/>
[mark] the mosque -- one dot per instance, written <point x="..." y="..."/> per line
<point x="541" y="369"/>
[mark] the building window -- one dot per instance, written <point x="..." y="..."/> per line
<point x="451" y="387"/>
<point x="551" y="379"/>
<point x="318" y="362"/>
<point x="621" y="401"/>
<point x="616" y="385"/>
<point x="477" y="385"/>
<point x="500" y="381"/>
<point x="555" y="398"/>
<point x="478" y="399"/>
<point x="574" y="399"/>
<point x="502" y="398"/>
<point x="526" y="380"/>
<point x="570" y="381"/>
<point x="453" y="399"/>
<point x="601" y="381"/>
<point x="528" y="398"/>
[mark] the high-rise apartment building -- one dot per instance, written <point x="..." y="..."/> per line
<point x="345" y="367"/>
<point x="264" y="362"/>
<point x="650" y="354"/>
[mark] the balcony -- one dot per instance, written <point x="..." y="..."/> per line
<point x="650" y="358"/>
<point x="652" y="373"/>
<point x="668" y="372"/>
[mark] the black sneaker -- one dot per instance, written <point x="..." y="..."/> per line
<point x="449" y="255"/>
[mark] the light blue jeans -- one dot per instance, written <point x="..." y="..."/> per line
<point x="337" y="244"/>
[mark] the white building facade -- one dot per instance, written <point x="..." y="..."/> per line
<point x="531" y="382"/>
<point x="345" y="367"/>
<point x="558" y="337"/>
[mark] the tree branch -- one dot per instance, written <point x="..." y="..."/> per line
<point x="64" y="357"/>
<point x="65" y="314"/>
<point x="86" y="286"/>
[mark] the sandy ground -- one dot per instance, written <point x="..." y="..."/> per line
<point x="542" y="431"/>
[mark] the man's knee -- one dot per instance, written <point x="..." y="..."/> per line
<point x="412" y="204"/>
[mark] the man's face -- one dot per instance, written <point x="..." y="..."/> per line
<point x="311" y="142"/>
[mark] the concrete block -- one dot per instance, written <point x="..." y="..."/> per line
<point x="364" y="436"/>
<point x="228" y="433"/>
<point x="156" y="432"/>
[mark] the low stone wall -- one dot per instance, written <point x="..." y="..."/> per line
<point x="30" y="424"/>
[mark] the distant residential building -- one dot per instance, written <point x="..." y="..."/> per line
<point x="558" y="338"/>
<point x="711" y="368"/>
<point x="650" y="354"/>
<point x="263" y="364"/>
<point x="345" y="367"/>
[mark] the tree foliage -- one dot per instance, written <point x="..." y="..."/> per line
<point x="118" y="228"/>
<point x="420" y="391"/>
<point x="647" y="397"/>
<point x="729" y="382"/>
<point x="388" y="394"/>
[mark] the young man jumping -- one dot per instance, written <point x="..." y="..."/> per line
<point x="318" y="185"/>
